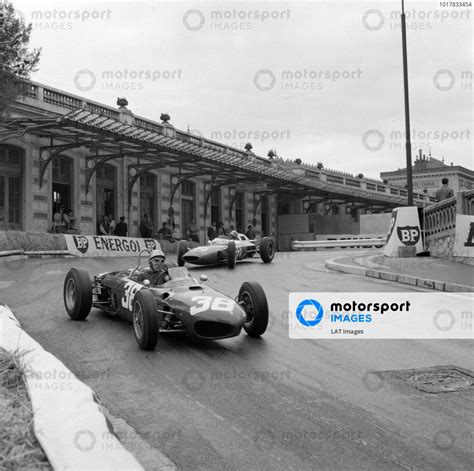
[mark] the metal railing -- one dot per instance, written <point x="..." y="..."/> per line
<point x="440" y="217"/>
<point x="329" y="244"/>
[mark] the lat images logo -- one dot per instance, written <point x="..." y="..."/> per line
<point x="307" y="309"/>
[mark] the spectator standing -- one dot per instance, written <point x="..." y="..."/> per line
<point x="212" y="231"/>
<point x="221" y="232"/>
<point x="166" y="233"/>
<point x="193" y="230"/>
<point x="250" y="232"/>
<point x="112" y="224"/>
<point x="121" y="229"/>
<point x="444" y="192"/>
<point x="104" y="228"/>
<point x="59" y="223"/>
<point x="146" y="227"/>
<point x="70" y="220"/>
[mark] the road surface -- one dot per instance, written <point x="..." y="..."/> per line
<point x="267" y="404"/>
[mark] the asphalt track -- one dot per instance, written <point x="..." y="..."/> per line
<point x="270" y="403"/>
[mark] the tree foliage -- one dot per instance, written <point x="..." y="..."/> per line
<point x="17" y="62"/>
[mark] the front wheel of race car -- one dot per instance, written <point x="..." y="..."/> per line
<point x="145" y="320"/>
<point x="254" y="301"/>
<point x="182" y="249"/>
<point x="77" y="294"/>
<point x="231" y="254"/>
<point x="267" y="249"/>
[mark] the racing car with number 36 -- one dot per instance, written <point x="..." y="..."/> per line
<point x="181" y="304"/>
<point x="228" y="251"/>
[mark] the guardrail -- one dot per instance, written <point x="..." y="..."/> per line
<point x="329" y="244"/>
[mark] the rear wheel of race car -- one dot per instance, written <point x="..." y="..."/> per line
<point x="145" y="320"/>
<point x="231" y="254"/>
<point x="77" y="294"/>
<point x="267" y="249"/>
<point x="254" y="301"/>
<point x="182" y="249"/>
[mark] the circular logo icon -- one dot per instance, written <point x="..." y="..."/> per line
<point x="444" y="320"/>
<point x="373" y="140"/>
<point x="444" y="80"/>
<point x="372" y="381"/>
<point x="85" y="80"/>
<point x="265" y="440"/>
<point x="84" y="440"/>
<point x="373" y="20"/>
<point x="444" y="439"/>
<point x="309" y="305"/>
<point x="193" y="380"/>
<point x="194" y="20"/>
<point x="264" y="80"/>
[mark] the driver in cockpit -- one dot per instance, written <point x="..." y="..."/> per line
<point x="157" y="274"/>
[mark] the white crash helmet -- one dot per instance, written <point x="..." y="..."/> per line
<point x="157" y="253"/>
<point x="234" y="235"/>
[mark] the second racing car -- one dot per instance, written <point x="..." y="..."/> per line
<point x="223" y="250"/>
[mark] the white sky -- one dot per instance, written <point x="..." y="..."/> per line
<point x="217" y="91"/>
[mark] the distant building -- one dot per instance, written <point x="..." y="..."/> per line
<point x="427" y="175"/>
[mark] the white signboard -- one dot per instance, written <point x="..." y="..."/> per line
<point x="404" y="231"/>
<point x="108" y="246"/>
<point x="343" y="315"/>
<point x="464" y="236"/>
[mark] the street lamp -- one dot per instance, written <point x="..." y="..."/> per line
<point x="407" y="110"/>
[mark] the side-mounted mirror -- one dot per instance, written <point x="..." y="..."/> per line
<point x="203" y="278"/>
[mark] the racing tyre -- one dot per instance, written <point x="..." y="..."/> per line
<point x="145" y="320"/>
<point x="182" y="249"/>
<point x="267" y="249"/>
<point x="231" y="254"/>
<point x="254" y="301"/>
<point x="77" y="294"/>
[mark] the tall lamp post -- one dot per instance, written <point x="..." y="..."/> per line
<point x="407" y="110"/>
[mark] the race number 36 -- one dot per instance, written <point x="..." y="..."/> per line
<point x="208" y="303"/>
<point x="129" y="291"/>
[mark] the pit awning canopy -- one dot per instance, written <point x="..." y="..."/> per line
<point x="161" y="145"/>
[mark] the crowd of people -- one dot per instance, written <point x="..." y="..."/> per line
<point x="219" y="230"/>
<point x="63" y="220"/>
<point x="108" y="226"/>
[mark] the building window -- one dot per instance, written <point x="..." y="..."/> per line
<point x="188" y="191"/>
<point x="239" y="211"/>
<point x="11" y="162"/>
<point x="63" y="178"/>
<point x="216" y="205"/>
<point x="105" y="191"/>
<point x="265" y="214"/>
<point x="148" y="195"/>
